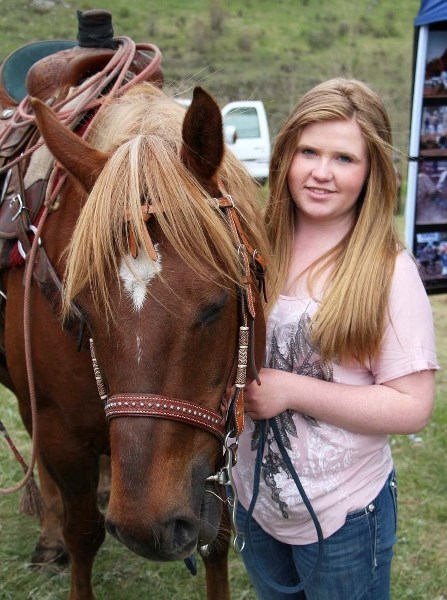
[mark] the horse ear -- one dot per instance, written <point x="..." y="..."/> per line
<point x="203" y="144"/>
<point x="77" y="156"/>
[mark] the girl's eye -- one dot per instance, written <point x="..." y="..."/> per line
<point x="345" y="159"/>
<point x="307" y="152"/>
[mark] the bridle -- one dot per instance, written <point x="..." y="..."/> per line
<point x="226" y="424"/>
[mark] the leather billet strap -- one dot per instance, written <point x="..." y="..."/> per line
<point x="249" y="259"/>
<point x="153" y="405"/>
<point x="226" y="202"/>
<point x="147" y="211"/>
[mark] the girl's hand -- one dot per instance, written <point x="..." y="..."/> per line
<point x="270" y="398"/>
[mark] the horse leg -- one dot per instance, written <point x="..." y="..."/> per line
<point x="50" y="548"/>
<point x="83" y="536"/>
<point x="5" y="378"/>
<point x="74" y="466"/>
<point x="83" y="524"/>
<point x="216" y="562"/>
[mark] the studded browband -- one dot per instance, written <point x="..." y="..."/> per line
<point x="152" y="405"/>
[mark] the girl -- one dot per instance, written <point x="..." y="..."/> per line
<point x="350" y="354"/>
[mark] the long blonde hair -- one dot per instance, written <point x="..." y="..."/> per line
<point x="350" y="319"/>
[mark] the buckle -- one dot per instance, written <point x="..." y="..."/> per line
<point x="225" y="201"/>
<point x="22" y="252"/>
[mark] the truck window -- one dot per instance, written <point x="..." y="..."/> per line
<point x="246" y="122"/>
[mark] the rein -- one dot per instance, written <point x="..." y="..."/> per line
<point x="89" y="92"/>
<point x="256" y="481"/>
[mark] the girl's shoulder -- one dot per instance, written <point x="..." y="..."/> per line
<point x="406" y="276"/>
<point x="408" y="343"/>
<point x="405" y="260"/>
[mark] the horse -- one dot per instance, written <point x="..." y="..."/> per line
<point x="156" y="239"/>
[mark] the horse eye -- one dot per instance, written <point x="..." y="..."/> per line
<point x="211" y="312"/>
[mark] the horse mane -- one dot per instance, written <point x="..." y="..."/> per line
<point x="142" y="133"/>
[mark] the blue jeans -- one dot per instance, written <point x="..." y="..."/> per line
<point x="356" y="559"/>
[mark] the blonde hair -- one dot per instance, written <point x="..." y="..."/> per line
<point x="143" y="133"/>
<point x="350" y="319"/>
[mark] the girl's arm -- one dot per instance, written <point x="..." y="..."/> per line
<point x="400" y="406"/>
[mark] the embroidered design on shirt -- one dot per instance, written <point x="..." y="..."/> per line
<point x="291" y="350"/>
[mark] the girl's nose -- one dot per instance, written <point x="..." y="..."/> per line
<point x="322" y="170"/>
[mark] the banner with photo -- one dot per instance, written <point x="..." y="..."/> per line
<point x="426" y="204"/>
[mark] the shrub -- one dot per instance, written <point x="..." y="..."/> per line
<point x="217" y="17"/>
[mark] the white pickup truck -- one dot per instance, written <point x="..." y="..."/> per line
<point x="252" y="145"/>
<point x="247" y="135"/>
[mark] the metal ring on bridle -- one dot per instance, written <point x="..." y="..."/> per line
<point x="22" y="252"/>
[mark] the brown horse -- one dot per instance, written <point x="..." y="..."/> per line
<point x="158" y="270"/>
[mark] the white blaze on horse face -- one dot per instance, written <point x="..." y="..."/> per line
<point x="136" y="274"/>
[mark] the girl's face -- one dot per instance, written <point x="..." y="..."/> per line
<point x="328" y="171"/>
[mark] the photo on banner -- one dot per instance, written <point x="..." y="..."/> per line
<point x="431" y="254"/>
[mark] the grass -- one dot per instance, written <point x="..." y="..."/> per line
<point x="419" y="566"/>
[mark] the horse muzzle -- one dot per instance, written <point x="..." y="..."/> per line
<point x="172" y="537"/>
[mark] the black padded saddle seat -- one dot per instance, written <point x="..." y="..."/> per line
<point x="16" y="66"/>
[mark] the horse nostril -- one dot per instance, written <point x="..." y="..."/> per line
<point x="183" y="532"/>
<point x="163" y="541"/>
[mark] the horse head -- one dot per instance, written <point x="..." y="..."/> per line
<point x="154" y="267"/>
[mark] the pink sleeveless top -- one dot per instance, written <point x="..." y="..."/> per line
<point x="339" y="470"/>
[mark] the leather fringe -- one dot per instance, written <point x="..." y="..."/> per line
<point x="32" y="502"/>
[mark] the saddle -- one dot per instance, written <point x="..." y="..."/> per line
<point x="50" y="71"/>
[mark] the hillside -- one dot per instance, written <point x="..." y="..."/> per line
<point x="240" y="49"/>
